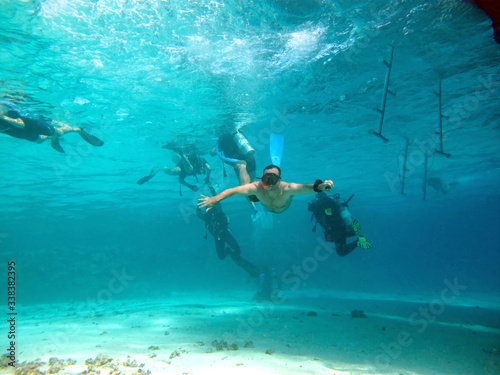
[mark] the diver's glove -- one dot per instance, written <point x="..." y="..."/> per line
<point x="363" y="243"/>
<point x="356" y="226"/>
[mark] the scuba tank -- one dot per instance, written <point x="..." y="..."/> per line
<point x="243" y="144"/>
<point x="345" y="214"/>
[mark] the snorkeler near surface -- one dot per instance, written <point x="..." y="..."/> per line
<point x="274" y="194"/>
<point x="333" y="214"/>
<point x="235" y="150"/>
<point x="39" y="130"/>
<point x="217" y="224"/>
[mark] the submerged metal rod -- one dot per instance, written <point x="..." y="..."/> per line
<point x="404" y="168"/>
<point x="424" y="186"/>
<point x="386" y="90"/>
<point x="440" y="97"/>
<point x="381" y="110"/>
<point x="373" y="132"/>
<point x="443" y="153"/>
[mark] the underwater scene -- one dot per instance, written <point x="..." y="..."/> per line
<point x="250" y="187"/>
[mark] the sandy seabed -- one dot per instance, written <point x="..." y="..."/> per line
<point x="303" y="334"/>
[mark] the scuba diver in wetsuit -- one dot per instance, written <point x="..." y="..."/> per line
<point x="189" y="164"/>
<point x="186" y="164"/>
<point x="39" y="130"/>
<point x="333" y="215"/>
<point x="217" y="224"/>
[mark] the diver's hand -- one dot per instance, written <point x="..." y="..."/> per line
<point x="325" y="186"/>
<point x="363" y="243"/>
<point x="207" y="202"/>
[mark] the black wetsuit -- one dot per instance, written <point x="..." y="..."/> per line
<point x="333" y="225"/>
<point x="217" y="223"/>
<point x="231" y="150"/>
<point x="198" y="164"/>
<point x="32" y="128"/>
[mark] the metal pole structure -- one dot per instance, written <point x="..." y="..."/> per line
<point x="403" y="179"/>
<point x="381" y="110"/>
<point x="440" y="96"/>
<point x="424" y="186"/>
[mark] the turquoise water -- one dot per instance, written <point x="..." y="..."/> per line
<point x="139" y="74"/>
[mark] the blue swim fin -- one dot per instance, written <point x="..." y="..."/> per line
<point x="266" y="220"/>
<point x="276" y="144"/>
<point x="276" y="148"/>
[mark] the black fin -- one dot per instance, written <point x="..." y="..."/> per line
<point x="54" y="142"/>
<point x="145" y="179"/>
<point x="94" y="141"/>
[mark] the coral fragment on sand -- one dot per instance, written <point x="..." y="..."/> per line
<point x="357" y="314"/>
